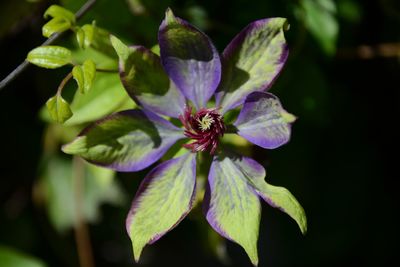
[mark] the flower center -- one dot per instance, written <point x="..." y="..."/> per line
<point x="205" y="122"/>
<point x="205" y="127"/>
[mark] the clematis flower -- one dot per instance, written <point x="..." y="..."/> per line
<point x="191" y="82"/>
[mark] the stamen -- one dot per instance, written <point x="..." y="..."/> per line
<point x="205" y="127"/>
<point x="205" y="122"/>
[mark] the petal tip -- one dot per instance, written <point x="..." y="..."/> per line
<point x="253" y="255"/>
<point x="73" y="147"/>
<point x="303" y="225"/>
<point x="288" y="117"/>
<point x="169" y="16"/>
<point x="286" y="25"/>
<point x="137" y="252"/>
<point x="120" y="48"/>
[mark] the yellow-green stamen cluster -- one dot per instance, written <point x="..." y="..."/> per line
<point x="205" y="122"/>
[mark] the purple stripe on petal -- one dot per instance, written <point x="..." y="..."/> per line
<point x="263" y="121"/>
<point x="125" y="141"/>
<point x="252" y="61"/>
<point x="190" y="59"/>
<point x="164" y="198"/>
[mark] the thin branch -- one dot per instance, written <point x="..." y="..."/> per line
<point x="85" y="8"/>
<point x="22" y="67"/>
<point x="63" y="83"/>
<point x="384" y="50"/>
<point x="82" y="236"/>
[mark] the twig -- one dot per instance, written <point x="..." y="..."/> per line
<point x="82" y="237"/>
<point x="385" y="50"/>
<point x="63" y="83"/>
<point x="22" y="67"/>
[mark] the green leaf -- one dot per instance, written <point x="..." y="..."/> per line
<point x="106" y="96"/>
<point x="164" y="198"/>
<point x="56" y="11"/>
<point x="49" y="57"/>
<point x="320" y="20"/>
<point x="102" y="61"/>
<point x="100" y="187"/>
<point x="77" y="73"/>
<point x="89" y="72"/>
<point x="277" y="197"/>
<point x="11" y="258"/>
<point x="137" y="7"/>
<point x="55" y="25"/>
<point x="85" y="35"/>
<point x="84" y="75"/>
<point x="80" y="37"/>
<point x="232" y="207"/>
<point x="58" y="108"/>
<point x="101" y="42"/>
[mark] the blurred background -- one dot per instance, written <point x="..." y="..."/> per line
<point x="341" y="80"/>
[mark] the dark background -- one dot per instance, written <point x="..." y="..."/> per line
<point x="341" y="164"/>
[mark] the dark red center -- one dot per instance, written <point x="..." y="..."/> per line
<point x="205" y="127"/>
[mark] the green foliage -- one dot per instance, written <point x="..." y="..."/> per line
<point x="319" y="18"/>
<point x="101" y="42"/>
<point x="106" y="96"/>
<point x="59" y="188"/>
<point x="62" y="20"/>
<point x="12" y="258"/>
<point x="84" y="75"/>
<point x="58" y="108"/>
<point x="198" y="16"/>
<point x="85" y="35"/>
<point x="56" y="11"/>
<point x="349" y="10"/>
<point x="49" y="57"/>
<point x="55" y="25"/>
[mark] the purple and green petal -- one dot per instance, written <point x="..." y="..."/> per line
<point x="164" y="198"/>
<point x="232" y="207"/>
<point x="263" y="121"/>
<point x="127" y="141"/>
<point x="252" y="61"/>
<point x="277" y="197"/>
<point x="189" y="58"/>
<point x="145" y="80"/>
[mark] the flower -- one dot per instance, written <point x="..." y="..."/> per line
<point x="187" y="75"/>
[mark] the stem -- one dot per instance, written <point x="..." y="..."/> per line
<point x="24" y="65"/>
<point x="82" y="236"/>
<point x="63" y="83"/>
